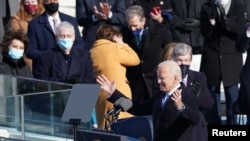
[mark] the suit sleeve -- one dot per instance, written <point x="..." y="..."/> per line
<point x="118" y="10"/>
<point x="235" y="25"/>
<point x="191" y="111"/>
<point x="41" y="69"/>
<point x="243" y="42"/>
<point x="205" y="99"/>
<point x="33" y="51"/>
<point x="206" y="27"/>
<point x="138" y="108"/>
<point x="83" y="18"/>
<point x="88" y="76"/>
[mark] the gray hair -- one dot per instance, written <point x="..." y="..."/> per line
<point x="134" y="10"/>
<point x="65" y="25"/>
<point x="172" y="66"/>
<point x="181" y="49"/>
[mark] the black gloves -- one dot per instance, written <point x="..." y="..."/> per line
<point x="195" y="88"/>
<point x="74" y="79"/>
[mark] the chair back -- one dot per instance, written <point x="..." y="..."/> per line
<point x="139" y="127"/>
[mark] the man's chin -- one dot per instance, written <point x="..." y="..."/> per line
<point x="162" y="88"/>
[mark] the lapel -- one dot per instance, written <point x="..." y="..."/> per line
<point x="43" y="19"/>
<point x="74" y="62"/>
<point x="190" y="79"/>
<point x="135" y="40"/>
<point x="150" y="32"/>
<point x="58" y="62"/>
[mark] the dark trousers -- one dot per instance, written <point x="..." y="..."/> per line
<point x="214" y="115"/>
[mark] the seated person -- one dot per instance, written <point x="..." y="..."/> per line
<point x="65" y="62"/>
<point x="14" y="45"/>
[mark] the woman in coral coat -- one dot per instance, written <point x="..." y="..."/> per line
<point x="111" y="56"/>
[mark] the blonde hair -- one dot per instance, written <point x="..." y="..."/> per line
<point x="167" y="52"/>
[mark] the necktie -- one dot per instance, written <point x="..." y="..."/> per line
<point x="54" y="25"/>
<point x="139" y="40"/>
<point x="164" y="99"/>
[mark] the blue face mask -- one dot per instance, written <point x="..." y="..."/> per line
<point x="65" y="43"/>
<point x="15" y="53"/>
<point x="137" y="32"/>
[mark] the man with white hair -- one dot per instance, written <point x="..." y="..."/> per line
<point x="65" y="62"/>
<point x="173" y="108"/>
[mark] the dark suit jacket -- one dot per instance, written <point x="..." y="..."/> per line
<point x="155" y="37"/>
<point x="169" y="123"/>
<point x="242" y="45"/>
<point x="51" y="65"/>
<point x="84" y="13"/>
<point x="42" y="37"/>
<point x="205" y="102"/>
<point x="205" y="99"/>
<point x="183" y="11"/>
<point x="220" y="60"/>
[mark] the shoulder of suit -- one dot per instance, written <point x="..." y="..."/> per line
<point x="66" y="15"/>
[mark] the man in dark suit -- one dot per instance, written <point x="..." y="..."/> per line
<point x="174" y="109"/>
<point x="221" y="24"/>
<point x="41" y="30"/>
<point x="147" y="38"/>
<point x="65" y="62"/>
<point x="186" y="22"/>
<point x="92" y="13"/>
<point x="195" y="83"/>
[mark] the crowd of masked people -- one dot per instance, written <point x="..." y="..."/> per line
<point x="136" y="49"/>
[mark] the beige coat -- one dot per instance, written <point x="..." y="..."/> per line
<point x="111" y="59"/>
<point x="17" y="24"/>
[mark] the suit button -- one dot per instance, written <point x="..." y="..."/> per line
<point x="143" y="75"/>
<point x="141" y="61"/>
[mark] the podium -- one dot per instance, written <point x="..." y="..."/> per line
<point x="86" y="135"/>
<point x="80" y="104"/>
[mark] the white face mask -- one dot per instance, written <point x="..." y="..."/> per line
<point x="222" y="2"/>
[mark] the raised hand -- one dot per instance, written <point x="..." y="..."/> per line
<point x="105" y="8"/>
<point x="99" y="15"/>
<point x="105" y="84"/>
<point x="176" y="97"/>
<point x="118" y="39"/>
<point x="156" y="15"/>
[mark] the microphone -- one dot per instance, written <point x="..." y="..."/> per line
<point x="123" y="105"/>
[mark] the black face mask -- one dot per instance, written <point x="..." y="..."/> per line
<point x="51" y="7"/>
<point x="184" y="70"/>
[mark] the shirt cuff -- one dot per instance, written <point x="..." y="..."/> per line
<point x="94" y="18"/>
<point x="182" y="108"/>
<point x="248" y="34"/>
<point x="110" y="15"/>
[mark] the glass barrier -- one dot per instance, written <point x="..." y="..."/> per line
<point x="31" y="109"/>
